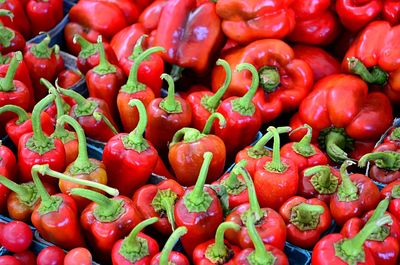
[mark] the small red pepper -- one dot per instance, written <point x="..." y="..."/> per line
<point x="217" y="251"/>
<point x="159" y="201"/>
<point x="167" y="256"/>
<point x="11" y="39"/>
<point x="199" y="210"/>
<point x="391" y="11"/>
<point x="306" y="220"/>
<point x="386" y="163"/>
<point x="383" y="243"/>
<point x="168" y="115"/>
<point x="242" y="115"/>
<point x="268" y="222"/>
<point x="8" y="169"/>
<point x="19" y="21"/>
<point x="354" y="15"/>
<point x="44" y="15"/>
<point x="188" y="147"/>
<point x="68" y="78"/>
<point x="356" y="195"/>
<point x="133" y="89"/>
<point x="130" y="158"/>
<point x="392" y="191"/>
<point x="280" y="175"/>
<point x="71" y="29"/>
<point x="137" y="248"/>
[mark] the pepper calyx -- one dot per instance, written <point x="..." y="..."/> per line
<point x="335" y="141"/>
<point x="306" y="216"/>
<point x="323" y="181"/>
<point x="269" y="78"/>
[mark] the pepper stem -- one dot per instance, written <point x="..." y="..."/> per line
<point x="210" y="121"/>
<point x="304" y="147"/>
<point x="87" y="48"/>
<point x="388" y="160"/>
<point x="42" y="50"/>
<point x="395" y="192"/>
<point x="6" y="13"/>
<point x="7" y="83"/>
<point x="198" y="200"/>
<point x="187" y="134"/>
<point x="164" y="201"/>
<point x="335" y="143"/>
<point x="98" y="116"/>
<point x="218" y="252"/>
<point x="269" y="78"/>
<point x="20" y="190"/>
<point x="306" y="216"/>
<point x="376" y="76"/>
<point x="58" y="99"/>
<point x="212" y="102"/>
<point x="104" y="67"/>
<point x="395" y="134"/>
<point x="233" y="182"/>
<point x="21" y="113"/>
<point x="276" y="165"/>
<point x="138" y="49"/>
<point x="347" y="191"/>
<point x="170" y="104"/>
<point x="323" y="181"/>
<point x="259" y="150"/>
<point x="379" y="210"/>
<point x="134" y="140"/>
<point x="38" y="135"/>
<point x="171" y="242"/>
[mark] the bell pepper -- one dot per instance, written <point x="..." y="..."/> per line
<point x="69" y="77"/>
<point x="150" y="17"/>
<point x="268" y="222"/>
<point x="319" y="182"/>
<point x="12" y="40"/>
<point x="306" y="220"/>
<point x="168" y="115"/>
<point x="217" y="251"/>
<point x="242" y="115"/>
<point x="321" y="62"/>
<point x="338" y="249"/>
<point x="278" y="173"/>
<point x="343" y="116"/>
<point x="356" y="195"/>
<point x="247" y="21"/>
<point x="44" y="15"/>
<point x="106" y="18"/>
<point x="261" y="253"/>
<point x="167" y="256"/>
<point x="129" y="8"/>
<point x="315" y="22"/>
<point x="200" y="34"/>
<point x="19" y="22"/>
<point x="8" y="169"/>
<point x="284" y="80"/>
<point x="130" y="158"/>
<point x="392" y="191"/>
<point x="199" y="210"/>
<point x="303" y="153"/>
<point x="71" y="29"/>
<point x="37" y="148"/>
<point x="105" y="220"/>
<point x="188" y="147"/>
<point x="125" y="41"/>
<point x="137" y="248"/>
<point x="149" y="69"/>
<point x="133" y="89"/>
<point x="204" y="103"/>
<point x="368" y="58"/>
<point x="383" y="243"/>
<point x="354" y="15"/>
<point x="159" y="201"/>
<point x="85" y="111"/>
<point x="391" y="11"/>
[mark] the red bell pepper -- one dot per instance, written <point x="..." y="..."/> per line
<point x="167" y="256"/>
<point x="69" y="78"/>
<point x="168" y="115"/>
<point x="11" y="40"/>
<point x="105" y="80"/>
<point x="19" y="21"/>
<point x="338" y="249"/>
<point x="319" y="182"/>
<point x="343" y="116"/>
<point x="383" y="243"/>
<point x="136" y="249"/>
<point x="354" y="15"/>
<point x="159" y="201"/>
<point x="200" y="34"/>
<point x="125" y="41"/>
<point x="303" y="153"/>
<point x="71" y="29"/>
<point x="386" y="163"/>
<point x="8" y="169"/>
<point x="306" y="220"/>
<point x="44" y="15"/>
<point x="356" y="195"/>
<point x="284" y="80"/>
<point x="150" y="17"/>
<point x="368" y="58"/>
<point x="130" y="158"/>
<point x="247" y="21"/>
<point x="278" y="173"/>
<point x="392" y="191"/>
<point x="86" y="112"/>
<point x="199" y="210"/>
<point x="191" y="144"/>
<point x="261" y="253"/>
<point x="105" y="220"/>
<point x="242" y="115"/>
<point x="204" y="103"/>
<point x="391" y="11"/>
<point x="37" y="148"/>
<point x="217" y="251"/>
<point x="129" y="8"/>
<point x="133" y="89"/>
<point x="268" y="222"/>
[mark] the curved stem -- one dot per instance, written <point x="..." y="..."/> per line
<point x="100" y="116"/>
<point x="246" y="100"/>
<point x="38" y="134"/>
<point x="104" y="67"/>
<point x="6" y="13"/>
<point x="21" y="113"/>
<point x="138" y="49"/>
<point x="379" y="210"/>
<point x="386" y="160"/>
<point x="58" y="99"/>
<point x="94" y="196"/>
<point x="347" y="190"/>
<point x="42" y="50"/>
<point x="44" y="195"/>
<point x="233" y="175"/>
<point x="130" y="240"/>
<point x="324" y="173"/>
<point x="304" y="147"/>
<point x="335" y="143"/>
<point x="376" y="76"/>
<point x="170" y="104"/>
<point x="276" y="165"/>
<point x="78" y="98"/>
<point x="171" y="242"/>
<point x="7" y="83"/>
<point x="11" y="185"/>
<point x="219" y="245"/>
<point x="136" y="135"/>
<point x="210" y="121"/>
<point x="213" y="102"/>
<point x="259" y="146"/>
<point x="87" y="48"/>
<point x="183" y="134"/>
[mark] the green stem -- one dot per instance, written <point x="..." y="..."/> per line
<point x="170" y="104"/>
<point x="232" y="183"/>
<point x="21" y="113"/>
<point x="269" y="78"/>
<point x="210" y="121"/>
<point x="306" y="216"/>
<point x="187" y="134"/>
<point x="87" y="48"/>
<point x="347" y="191"/>
<point x="276" y="165"/>
<point x="379" y="210"/>
<point x="84" y="107"/>
<point x="259" y="150"/>
<point x="395" y="192"/>
<point x="6" y="13"/>
<point x="58" y="99"/>
<point x="211" y="103"/>
<point x="335" y="143"/>
<point x="388" y="160"/>
<point x="133" y="85"/>
<point x="198" y="200"/>
<point x="134" y="140"/>
<point x="104" y="67"/>
<point x="171" y="242"/>
<point x="218" y="252"/>
<point x="98" y="116"/>
<point x="22" y="192"/>
<point x="323" y="181"/>
<point x="164" y="202"/>
<point x="395" y="135"/>
<point x="7" y="83"/>
<point x="42" y="50"/>
<point x="304" y="147"/>
<point x="38" y="135"/>
<point x="138" y="49"/>
<point x="376" y="76"/>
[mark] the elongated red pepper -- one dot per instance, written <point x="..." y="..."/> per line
<point x="19" y="22"/>
<point x="268" y="222"/>
<point x="44" y="15"/>
<point x="392" y="191"/>
<point x="159" y="201"/>
<point x="130" y="158"/>
<point x="133" y="89"/>
<point x="136" y="249"/>
<point x="386" y="163"/>
<point x="199" y="210"/>
<point x="8" y="169"/>
<point x="356" y="195"/>
<point x="191" y="144"/>
<point x="354" y="15"/>
<point x="11" y="40"/>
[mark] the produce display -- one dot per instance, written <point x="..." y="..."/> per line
<point x="199" y="132"/>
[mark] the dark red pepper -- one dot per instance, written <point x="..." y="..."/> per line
<point x="44" y="15"/>
<point x="19" y="21"/>
<point x="125" y="42"/>
<point x="11" y="39"/>
<point x="68" y="78"/>
<point x="392" y="191"/>
<point x="71" y="29"/>
<point x="8" y="169"/>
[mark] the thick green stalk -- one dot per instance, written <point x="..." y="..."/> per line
<point x="87" y="48"/>
<point x="171" y="242"/>
<point x="7" y="83"/>
<point x="304" y="147"/>
<point x="210" y="121"/>
<point x="42" y="50"/>
<point x="137" y="49"/>
<point x="388" y="160"/>
<point x="104" y="67"/>
<point x="376" y="76"/>
<point x="276" y="165"/>
<point x="135" y="140"/>
<point x="259" y="150"/>
<point x="21" y="113"/>
<point x="39" y="137"/>
<point x="217" y="253"/>
<point x="347" y="190"/>
<point x="170" y="104"/>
